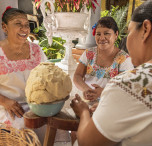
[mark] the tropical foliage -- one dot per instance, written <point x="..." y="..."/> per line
<point x="56" y="50"/>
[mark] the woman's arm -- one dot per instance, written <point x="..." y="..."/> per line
<point x="87" y="133"/>
<point x="12" y="106"/>
<point x="79" y="77"/>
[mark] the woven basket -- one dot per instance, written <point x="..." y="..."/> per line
<point x="10" y="136"/>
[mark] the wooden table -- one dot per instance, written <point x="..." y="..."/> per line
<point x="63" y="121"/>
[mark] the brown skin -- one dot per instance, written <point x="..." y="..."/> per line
<point x="15" y="47"/>
<point x="13" y="107"/>
<point x="105" y="39"/>
<point x="138" y="42"/>
<point x="87" y="133"/>
<point x="140" y="51"/>
<point x="88" y="93"/>
<point x="17" y="30"/>
<point x="94" y="106"/>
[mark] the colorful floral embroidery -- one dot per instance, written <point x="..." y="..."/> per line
<point x="113" y="72"/>
<point x="120" y="59"/>
<point x="8" y="66"/>
<point x="94" y="70"/>
<point x="89" y="69"/>
<point x="100" y="73"/>
<point x="137" y="83"/>
<point x="90" y="54"/>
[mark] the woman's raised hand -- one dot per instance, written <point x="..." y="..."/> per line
<point x="78" y="105"/>
<point x="93" y="107"/>
<point x="93" y="94"/>
<point x="13" y="108"/>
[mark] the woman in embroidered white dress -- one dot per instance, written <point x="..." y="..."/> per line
<point x="124" y="114"/>
<point x="17" y="58"/>
<point x="98" y="65"/>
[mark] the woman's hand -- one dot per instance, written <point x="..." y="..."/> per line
<point x="78" y="105"/>
<point x="93" y="94"/>
<point x="13" y="108"/>
<point x="93" y="107"/>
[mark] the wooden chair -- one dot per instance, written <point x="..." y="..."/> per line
<point x="62" y="121"/>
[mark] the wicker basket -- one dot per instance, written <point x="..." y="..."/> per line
<point x="10" y="136"/>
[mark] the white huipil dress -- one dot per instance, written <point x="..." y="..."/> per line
<point x="13" y="77"/>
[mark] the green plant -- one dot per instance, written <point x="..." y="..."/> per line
<point x="120" y="15"/>
<point x="56" y="50"/>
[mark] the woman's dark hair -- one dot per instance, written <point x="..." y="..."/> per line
<point x="108" y="22"/>
<point x="143" y="12"/>
<point x="10" y="13"/>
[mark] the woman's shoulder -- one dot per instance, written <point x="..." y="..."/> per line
<point x="135" y="74"/>
<point x="34" y="47"/>
<point x="2" y="46"/>
<point x="90" y="53"/>
<point x="33" y="44"/>
<point x="121" y="57"/>
<point x="136" y="82"/>
<point x="93" y="49"/>
<point x="122" y="52"/>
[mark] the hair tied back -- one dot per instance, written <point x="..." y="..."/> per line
<point x="8" y="7"/>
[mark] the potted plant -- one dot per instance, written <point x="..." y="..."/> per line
<point x="58" y="14"/>
<point x="66" y="18"/>
<point x="54" y="52"/>
<point x="69" y="5"/>
<point x="69" y="19"/>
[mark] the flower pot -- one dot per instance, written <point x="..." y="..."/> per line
<point x="68" y="25"/>
<point x="70" y="20"/>
<point x="53" y="21"/>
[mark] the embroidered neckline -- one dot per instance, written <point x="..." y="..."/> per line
<point x="105" y="68"/>
<point x="9" y="66"/>
<point x="137" y="83"/>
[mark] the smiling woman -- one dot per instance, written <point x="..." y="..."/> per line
<point x="16" y="27"/>
<point x="99" y="64"/>
<point x="17" y="58"/>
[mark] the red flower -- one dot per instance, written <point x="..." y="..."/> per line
<point x="94" y="32"/>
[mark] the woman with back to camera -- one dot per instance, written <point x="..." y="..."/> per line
<point x="98" y="65"/>
<point x="17" y="58"/>
<point x="124" y="114"/>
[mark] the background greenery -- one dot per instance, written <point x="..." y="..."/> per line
<point x="56" y="50"/>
